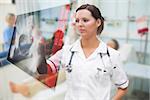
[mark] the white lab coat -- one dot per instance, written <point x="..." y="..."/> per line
<point x="85" y="82"/>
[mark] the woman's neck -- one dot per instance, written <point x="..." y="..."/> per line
<point x="90" y="43"/>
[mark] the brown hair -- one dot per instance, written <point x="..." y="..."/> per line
<point x="116" y="44"/>
<point x="95" y="13"/>
<point x="9" y="16"/>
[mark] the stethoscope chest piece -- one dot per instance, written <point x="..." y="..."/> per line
<point x="69" y="68"/>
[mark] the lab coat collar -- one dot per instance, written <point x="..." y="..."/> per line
<point x="102" y="48"/>
<point x="76" y="47"/>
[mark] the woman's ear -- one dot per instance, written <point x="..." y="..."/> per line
<point x="98" y="22"/>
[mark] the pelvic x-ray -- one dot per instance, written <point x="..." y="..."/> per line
<point x="37" y="36"/>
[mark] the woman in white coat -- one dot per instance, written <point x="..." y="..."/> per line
<point x="91" y="66"/>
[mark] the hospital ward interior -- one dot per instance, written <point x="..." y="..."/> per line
<point x="126" y="21"/>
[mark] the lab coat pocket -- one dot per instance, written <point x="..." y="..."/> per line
<point x="102" y="76"/>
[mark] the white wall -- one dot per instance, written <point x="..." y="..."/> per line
<point x="25" y="6"/>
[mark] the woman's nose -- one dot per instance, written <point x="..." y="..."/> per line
<point x="80" y="23"/>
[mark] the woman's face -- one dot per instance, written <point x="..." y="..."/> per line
<point x="86" y="24"/>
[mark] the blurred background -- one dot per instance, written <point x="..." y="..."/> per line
<point x="127" y="21"/>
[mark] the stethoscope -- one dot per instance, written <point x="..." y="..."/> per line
<point x="69" y="66"/>
<point x="104" y="70"/>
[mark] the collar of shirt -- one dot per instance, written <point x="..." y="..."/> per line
<point x="76" y="47"/>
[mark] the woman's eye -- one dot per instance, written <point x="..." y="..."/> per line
<point x="77" y="21"/>
<point x="85" y="20"/>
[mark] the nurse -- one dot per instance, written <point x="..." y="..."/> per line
<point x="91" y="66"/>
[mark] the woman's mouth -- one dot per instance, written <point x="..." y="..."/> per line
<point x="81" y="30"/>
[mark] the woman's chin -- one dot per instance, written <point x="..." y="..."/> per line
<point x="83" y="34"/>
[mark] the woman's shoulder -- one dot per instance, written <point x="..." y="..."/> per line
<point x="114" y="55"/>
<point x="70" y="46"/>
<point x="113" y="52"/>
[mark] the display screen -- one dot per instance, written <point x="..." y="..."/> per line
<point x="37" y="36"/>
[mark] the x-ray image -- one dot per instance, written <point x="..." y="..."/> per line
<point x="37" y="36"/>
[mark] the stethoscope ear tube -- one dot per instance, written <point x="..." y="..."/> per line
<point x="101" y="56"/>
<point x="69" y="66"/>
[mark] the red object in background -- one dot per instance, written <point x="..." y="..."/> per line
<point x="58" y="41"/>
<point x="142" y="25"/>
<point x="68" y="7"/>
<point x="143" y="31"/>
<point x="51" y="80"/>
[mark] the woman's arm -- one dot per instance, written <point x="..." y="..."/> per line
<point x="119" y="94"/>
<point x="119" y="78"/>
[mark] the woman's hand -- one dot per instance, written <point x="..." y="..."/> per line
<point x="120" y="93"/>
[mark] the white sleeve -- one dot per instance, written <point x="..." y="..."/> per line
<point x="55" y="61"/>
<point x="119" y="76"/>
